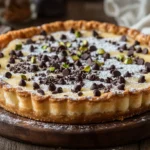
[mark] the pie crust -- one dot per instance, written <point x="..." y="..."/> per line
<point x="107" y="107"/>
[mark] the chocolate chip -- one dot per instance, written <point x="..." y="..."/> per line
<point x="32" y="48"/>
<point x="132" y="48"/>
<point x="29" y="41"/>
<point x="41" y="92"/>
<point x="12" y="53"/>
<point x="96" y="92"/>
<point x="61" y="81"/>
<point x="121" y="80"/>
<point x="124" y="38"/>
<point x="123" y="47"/>
<point x="116" y="73"/>
<point x="63" y="59"/>
<point x="108" y="80"/>
<point x="22" y="82"/>
<point x="78" y="63"/>
<point x="66" y="72"/>
<point x="52" y="87"/>
<point x="42" y="64"/>
<point x="1" y="55"/>
<point x="106" y="56"/>
<point x="19" y="53"/>
<point x="92" y="48"/>
<point x="121" y="87"/>
<point x="141" y="79"/>
<point x="43" y="33"/>
<point x="51" y="38"/>
<point x="76" y="88"/>
<point x="34" y="68"/>
<point x="35" y="86"/>
<point x="85" y="56"/>
<point x="95" y="67"/>
<point x="64" y="53"/>
<point x="127" y="74"/>
<point x="140" y="61"/>
<point x="112" y="67"/>
<point x="145" y="51"/>
<point x="72" y="30"/>
<point x="80" y="93"/>
<point x="139" y="50"/>
<point x="45" y="58"/>
<point x="95" y="34"/>
<point x="101" y="86"/>
<point x="63" y="37"/>
<point x="94" y="86"/>
<point x="89" y="61"/>
<point x="8" y="75"/>
<point x="130" y="53"/>
<point x="12" y="60"/>
<point x="136" y="43"/>
<point x="59" y="90"/>
<point x="61" y="48"/>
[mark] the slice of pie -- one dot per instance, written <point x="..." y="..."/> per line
<point x="75" y="72"/>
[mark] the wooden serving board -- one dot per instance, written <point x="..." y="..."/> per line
<point x="74" y="136"/>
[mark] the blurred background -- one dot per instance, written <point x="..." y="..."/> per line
<point x="16" y="14"/>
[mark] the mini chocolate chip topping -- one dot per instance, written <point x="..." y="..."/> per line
<point x="34" y="68"/>
<point x="36" y="86"/>
<point x="121" y="87"/>
<point x="41" y="92"/>
<point x="63" y="37"/>
<point x="80" y="93"/>
<point x="8" y="75"/>
<point x="92" y="48"/>
<point x="59" y="90"/>
<point x="94" y="86"/>
<point x="52" y="87"/>
<point x="77" y="88"/>
<point x="139" y="50"/>
<point x="140" y="61"/>
<point x="106" y="56"/>
<point x="22" y="82"/>
<point x="43" y="33"/>
<point x="130" y="53"/>
<point x="127" y="74"/>
<point x="121" y="80"/>
<point x="96" y="92"/>
<point x="72" y="30"/>
<point x="136" y="43"/>
<point x="95" y="34"/>
<point x="1" y="55"/>
<point x="145" y="51"/>
<point x="11" y="60"/>
<point x="66" y="72"/>
<point x="141" y="79"/>
<point x="116" y="73"/>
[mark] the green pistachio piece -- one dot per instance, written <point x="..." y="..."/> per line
<point x="128" y="60"/>
<point x="83" y="48"/>
<point x="18" y="46"/>
<point x="99" y="63"/>
<point x="65" y="65"/>
<point x="44" y="47"/>
<point x="33" y="59"/>
<point x="87" y="68"/>
<point x="120" y="57"/>
<point x="100" y="51"/>
<point x="68" y="44"/>
<point x="85" y="43"/>
<point x="77" y="34"/>
<point x="62" y="43"/>
<point x="75" y="57"/>
<point x="52" y="69"/>
<point x="23" y="77"/>
<point x="78" y="53"/>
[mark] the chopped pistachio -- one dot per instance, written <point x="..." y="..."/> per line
<point x="87" y="68"/>
<point x="44" y="47"/>
<point x="33" y="59"/>
<point x="120" y="57"/>
<point x="85" y="43"/>
<point x="23" y="77"/>
<point x="62" y="43"/>
<point x="128" y="60"/>
<point x="100" y="51"/>
<point x="75" y="57"/>
<point x="52" y="69"/>
<point x="18" y="46"/>
<point x="83" y="48"/>
<point x="99" y="63"/>
<point x="77" y="34"/>
<point x="65" y="65"/>
<point x="78" y="53"/>
<point x="68" y="44"/>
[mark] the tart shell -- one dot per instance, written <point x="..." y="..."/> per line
<point x="107" y="107"/>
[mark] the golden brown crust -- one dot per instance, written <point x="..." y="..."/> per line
<point x="107" y="107"/>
